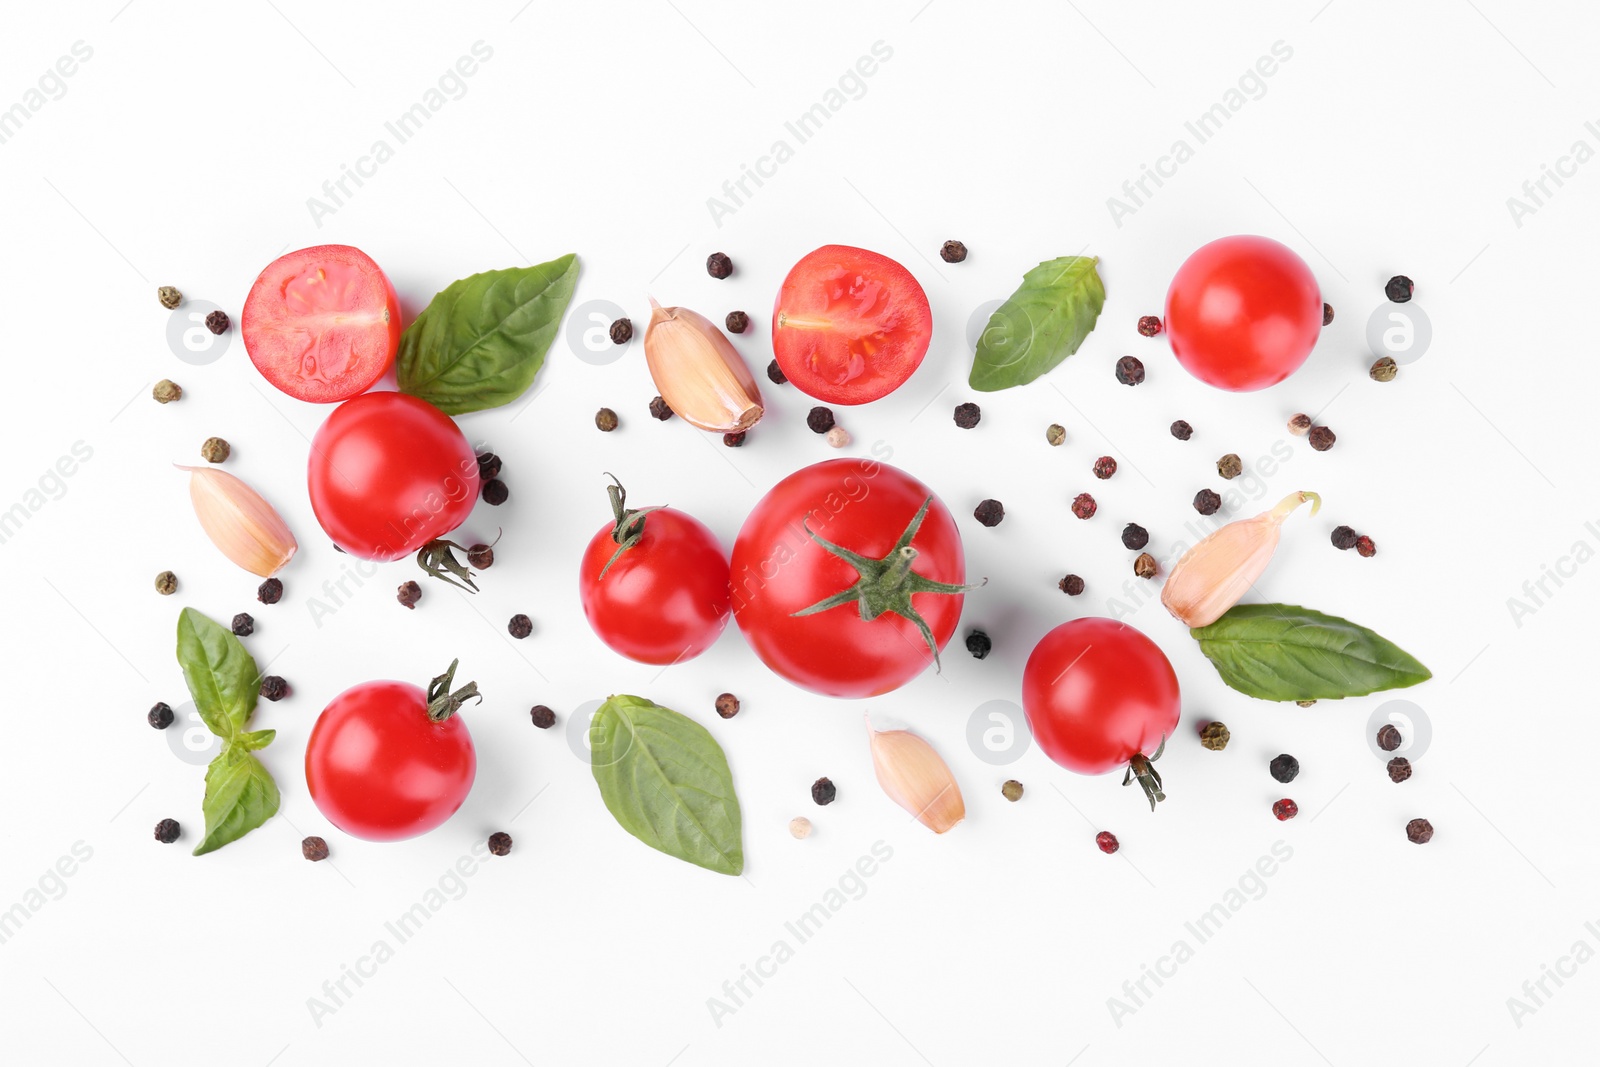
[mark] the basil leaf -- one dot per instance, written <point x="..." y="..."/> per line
<point x="256" y="739"/>
<point x="1282" y="652"/>
<point x="665" y="780"/>
<point x="221" y="675"/>
<point x="479" y="343"/>
<point x="1042" y="323"/>
<point x="240" y="796"/>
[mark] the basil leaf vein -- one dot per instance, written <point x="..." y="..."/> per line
<point x="1041" y="324"/>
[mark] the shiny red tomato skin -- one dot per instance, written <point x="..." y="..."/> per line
<point x="1243" y="313"/>
<point x="378" y="768"/>
<point x="388" y="473"/>
<point x="849" y="325"/>
<point x="665" y="599"/>
<point x="862" y="505"/>
<point x="1097" y="692"/>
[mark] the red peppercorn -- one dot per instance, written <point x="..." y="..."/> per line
<point x="1083" y="506"/>
<point x="1365" y="548"/>
<point x="1104" y="467"/>
<point x="1285" y="809"/>
<point x="1149" y="325"/>
<point x="1107" y="841"/>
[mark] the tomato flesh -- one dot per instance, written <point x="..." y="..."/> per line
<point x="322" y="324"/>
<point x="850" y="326"/>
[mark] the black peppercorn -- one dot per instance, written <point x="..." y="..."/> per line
<point x="978" y="644"/>
<point x="274" y="688"/>
<point x="1214" y="736"/>
<point x="1327" y="314"/>
<point x="160" y="716"/>
<point x="1343" y="538"/>
<point x="1300" y="424"/>
<point x="1284" y="768"/>
<point x="967" y="415"/>
<point x="1399" y="769"/>
<point x="727" y="705"/>
<point x="659" y="409"/>
<point x="495" y="492"/>
<point x="734" y="440"/>
<point x="167" y="831"/>
<point x="1083" y="506"/>
<point x="408" y="594"/>
<point x="166" y="583"/>
<point x="1207" y="502"/>
<point x="1419" y="831"/>
<point x="1365" y="548"/>
<point x="1399" y="289"/>
<point x="1321" y="438"/>
<point x="542" y="716"/>
<point x="314" y="849"/>
<point x="1130" y="371"/>
<point x="520" y="626"/>
<point x="775" y="372"/>
<point x="243" y="624"/>
<point x="737" y="322"/>
<point x="605" y="420"/>
<point x="1072" y="585"/>
<point x="217" y="322"/>
<point x="1182" y="430"/>
<point x="1104" y="467"/>
<point x="500" y="843"/>
<point x="1144" y="565"/>
<point x="480" y="557"/>
<point x="989" y="512"/>
<point x="1389" y="737"/>
<point x="270" y="591"/>
<point x="1230" y="466"/>
<point x="823" y="791"/>
<point x="953" y="252"/>
<point x="1149" y="325"/>
<point x="718" y="265"/>
<point x="488" y="466"/>
<point x="820" y="419"/>
<point x="621" y="331"/>
<point x="1134" y="536"/>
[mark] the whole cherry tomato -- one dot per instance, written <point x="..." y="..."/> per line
<point x="387" y="761"/>
<point x="1100" y="695"/>
<point x="847" y="578"/>
<point x="389" y="473"/>
<point x="654" y="583"/>
<point x="1243" y="313"/>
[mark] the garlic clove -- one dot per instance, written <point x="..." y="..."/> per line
<point x="914" y="777"/>
<point x="240" y="522"/>
<point x="1215" y="574"/>
<point x="698" y="372"/>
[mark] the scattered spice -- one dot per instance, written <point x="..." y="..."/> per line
<point x="1365" y="548"/>
<point x="1321" y="438"/>
<point x="953" y="252"/>
<point x="1104" y="467"/>
<point x="1285" y="809"/>
<point x="500" y="843"/>
<point x="718" y="265"/>
<point x="1012" y="790"/>
<point x="160" y="715"/>
<point x="1343" y="538"/>
<point x="1149" y="325"/>
<point x="217" y="322"/>
<point x="605" y="420"/>
<point x="1130" y="371"/>
<point x="169" y="296"/>
<point x="1134" y="536"/>
<point x="978" y="644"/>
<point x="838" y="437"/>
<point x="166" y="391"/>
<point x="243" y="624"/>
<point x="1384" y="369"/>
<point x="274" y="688"/>
<point x="166" y="583"/>
<point x="727" y="705"/>
<point x="408" y="594"/>
<point x="1304" y="703"/>
<point x="1071" y="585"/>
<point x="1145" y="565"/>
<point x="1327" y="314"/>
<point x="520" y="626"/>
<point x="823" y="791"/>
<point x="735" y="439"/>
<point x="167" y="831"/>
<point x="737" y="322"/>
<point x="270" y="591"/>
<point x="542" y="716"/>
<point x="622" y="331"/>
<point x="480" y="557"/>
<point x="1284" y="768"/>
<point x="820" y="419"/>
<point x="488" y="466"/>
<point x="989" y="512"/>
<point x="1055" y="433"/>
<point x="1207" y="502"/>
<point x="1300" y="425"/>
<point x="1214" y="736"/>
<point x="775" y="372"/>
<point x="1230" y="466"/>
<point x="1399" y="289"/>
<point x="1107" y="842"/>
<point x="967" y="415"/>
<point x="1389" y="737"/>
<point x="494" y="492"/>
<point x="1083" y="506"/>
<point x="1419" y="831"/>
<point x="1399" y="769"/>
<point x="1182" y="430"/>
<point x="314" y="849"/>
<point x="215" y="450"/>
<point x="800" y="828"/>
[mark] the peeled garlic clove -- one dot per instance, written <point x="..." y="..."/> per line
<point x="699" y="373"/>
<point x="239" y="522"/>
<point x="1215" y="574"/>
<point x="914" y="777"/>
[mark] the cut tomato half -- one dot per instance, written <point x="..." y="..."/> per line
<point x="850" y="326"/>
<point x="322" y="324"/>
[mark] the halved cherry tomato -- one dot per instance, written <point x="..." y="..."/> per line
<point x="322" y="324"/>
<point x="849" y="325"/>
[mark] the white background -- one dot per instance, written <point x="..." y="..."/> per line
<point x="183" y="152"/>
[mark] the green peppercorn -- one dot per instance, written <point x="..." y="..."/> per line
<point x="1055" y="433"/>
<point x="215" y="450"/>
<point x="166" y="391"/>
<point x="606" y="420"/>
<point x="166" y="583"/>
<point x="1384" y="370"/>
<point x="1230" y="466"/>
<point x="1214" y="737"/>
<point x="1012" y="790"/>
<point x="169" y="297"/>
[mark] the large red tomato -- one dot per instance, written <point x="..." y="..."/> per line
<point x="390" y="473"/>
<point x="1243" y="313"/>
<point x="847" y="578"/>
<point x="654" y="583"/>
<point x="386" y="760"/>
<point x="1100" y="695"/>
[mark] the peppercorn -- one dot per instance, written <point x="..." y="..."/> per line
<point x="989" y="512"/>
<point x="166" y="391"/>
<point x="217" y="322"/>
<point x="621" y="331"/>
<point x="820" y="419"/>
<point x="734" y="440"/>
<point x="1399" y="769"/>
<point x="718" y="265"/>
<point x="1304" y="703"/>
<point x="314" y="849"/>
<point x="1300" y="425"/>
<point x="1207" y="502"/>
<point x="605" y="420"/>
<point x="215" y="450"/>
<point x="838" y="437"/>
<point x="160" y="715"/>
<point x="1389" y="737"/>
<point x="500" y="843"/>
<point x="978" y="644"/>
<point x="659" y="409"/>
<point x="1214" y="736"/>
<point x="1419" y="831"/>
<point x="967" y="415"/>
<point x="480" y="557"/>
<point x="775" y="372"/>
<point x="953" y="252"/>
<point x="1055" y="433"/>
<point x="1071" y="585"/>
<point x="243" y="624"/>
<point x="408" y="594"/>
<point x="1327" y="314"/>
<point x="169" y="297"/>
<point x="727" y="705"/>
<point x="1285" y="809"/>
<point x="1130" y="371"/>
<point x="1107" y="842"/>
<point x="495" y="492"/>
<point x="542" y="716"/>
<point x="520" y="626"/>
<point x="1149" y="325"/>
<point x="1145" y="565"/>
<point x="1321" y="438"/>
<point x="270" y="591"/>
<point x="1284" y="768"/>
<point x="737" y="322"/>
<point x="1365" y="548"/>
<point x="274" y="688"/>
<point x="1181" y="430"/>
<point x="1230" y="466"/>
<point x="1083" y="506"/>
<point x="167" y="831"/>
<point x="1343" y="538"/>
<point x="1134" y="536"/>
<point x="1012" y="790"/>
<point x="800" y="828"/>
<point x="166" y="583"/>
<point x="1104" y="467"/>
<point x="823" y="791"/>
<point x="488" y="466"/>
<point x="1384" y="369"/>
<point x="1399" y="289"/>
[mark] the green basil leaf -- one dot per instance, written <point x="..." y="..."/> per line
<point x="1283" y="652"/>
<point x="221" y="675"/>
<point x="240" y="796"/>
<point x="665" y="780"/>
<point x="479" y="343"/>
<point x="256" y="739"/>
<point x="1042" y="323"/>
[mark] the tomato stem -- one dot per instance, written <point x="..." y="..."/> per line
<point x="629" y="525"/>
<point x="1149" y="778"/>
<point x="438" y="561"/>
<point x="442" y="703"/>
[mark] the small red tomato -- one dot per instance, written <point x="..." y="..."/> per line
<point x="388" y="473"/>
<point x="1243" y="313"/>
<point x="387" y="761"/>
<point x="322" y="324"/>
<point x="849" y="325"/>
<point x="1100" y="695"/>
<point x="654" y="583"/>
